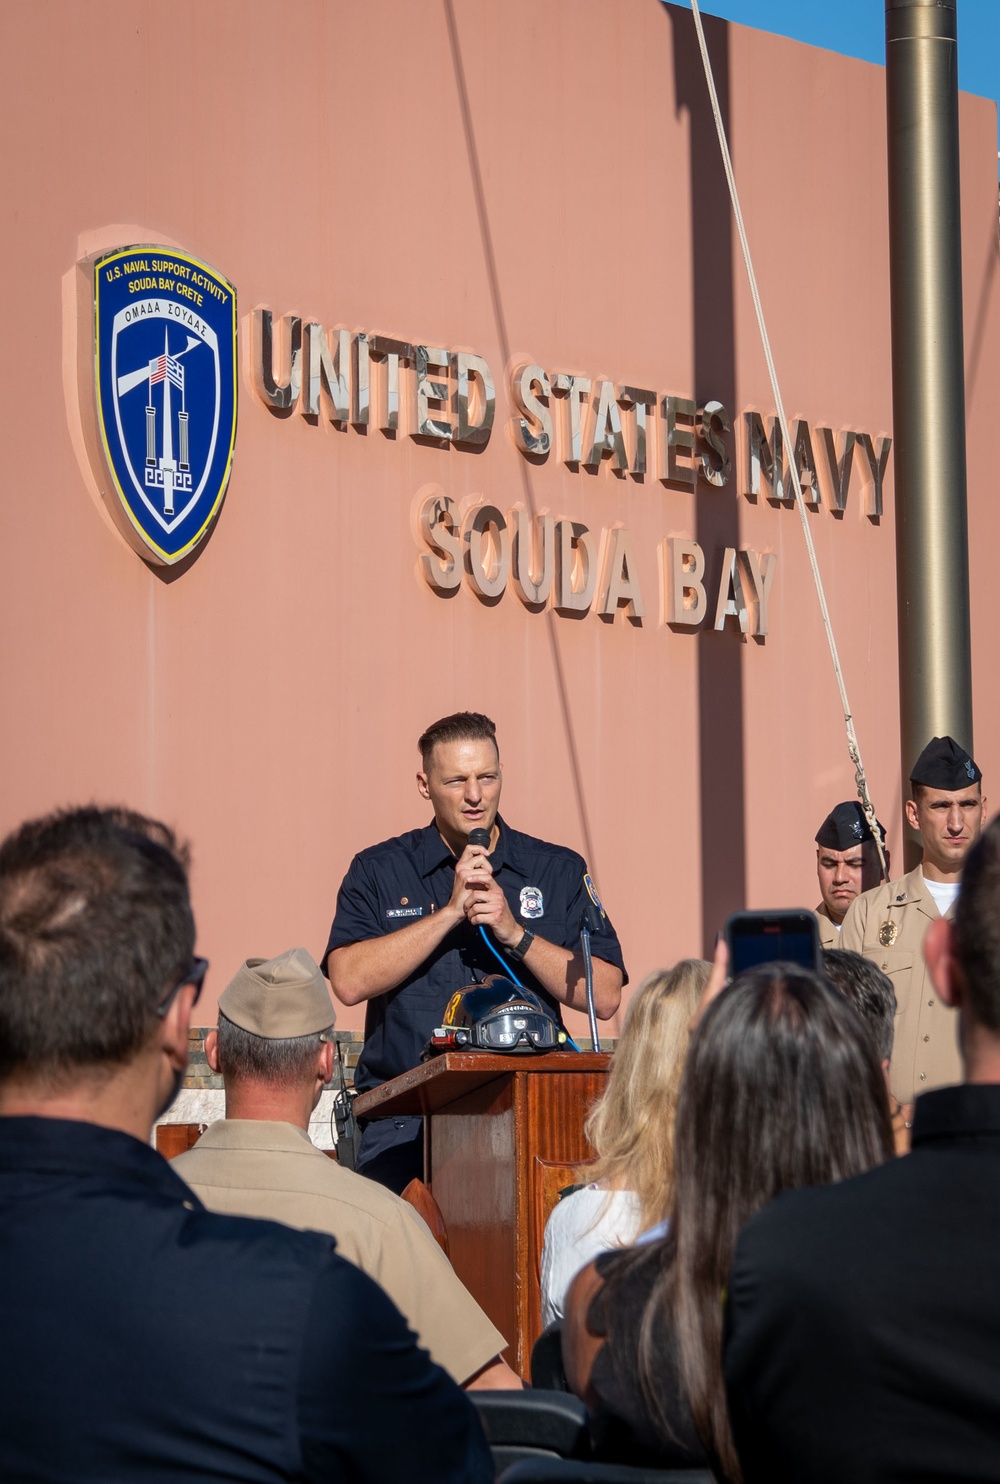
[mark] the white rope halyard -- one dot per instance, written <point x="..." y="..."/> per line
<point x="852" y="741"/>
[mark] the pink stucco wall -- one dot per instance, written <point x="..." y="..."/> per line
<point x="266" y="700"/>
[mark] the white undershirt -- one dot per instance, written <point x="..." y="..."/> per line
<point x="945" y="893"/>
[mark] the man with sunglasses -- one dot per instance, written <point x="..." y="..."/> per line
<point x="144" y="1337"/>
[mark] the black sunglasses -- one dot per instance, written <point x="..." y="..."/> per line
<point x="195" y="975"/>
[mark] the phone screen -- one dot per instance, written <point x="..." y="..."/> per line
<point x="770" y="937"/>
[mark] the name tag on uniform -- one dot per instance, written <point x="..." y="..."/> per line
<point x="404" y="912"/>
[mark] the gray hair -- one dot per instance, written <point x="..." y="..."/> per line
<point x="244" y="1057"/>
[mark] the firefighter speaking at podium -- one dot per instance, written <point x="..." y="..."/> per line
<point x="426" y="914"/>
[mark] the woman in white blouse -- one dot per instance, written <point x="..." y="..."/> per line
<point x="632" y="1130"/>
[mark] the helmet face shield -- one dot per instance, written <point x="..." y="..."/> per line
<point x="517" y="1028"/>
<point x="498" y="1016"/>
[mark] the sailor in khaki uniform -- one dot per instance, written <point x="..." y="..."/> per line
<point x="847" y="863"/>
<point x="274" y="1049"/>
<point x="888" y="924"/>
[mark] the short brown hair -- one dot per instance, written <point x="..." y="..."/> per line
<point x="95" y="928"/>
<point x="461" y="726"/>
<point x="868" y="990"/>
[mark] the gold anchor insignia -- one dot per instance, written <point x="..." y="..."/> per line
<point x="887" y="933"/>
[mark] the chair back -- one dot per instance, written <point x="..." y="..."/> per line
<point x="532" y="1426"/>
<point x="419" y="1197"/>
<point x="547" y="1370"/>
<point x="543" y="1470"/>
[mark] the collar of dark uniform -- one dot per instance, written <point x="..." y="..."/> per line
<point x="964" y="1114"/>
<point x="63" y="1146"/>
<point x="433" y="853"/>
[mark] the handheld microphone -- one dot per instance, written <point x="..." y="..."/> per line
<point x="480" y="836"/>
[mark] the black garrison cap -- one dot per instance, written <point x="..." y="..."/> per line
<point x="845" y="827"/>
<point x="943" y="764"/>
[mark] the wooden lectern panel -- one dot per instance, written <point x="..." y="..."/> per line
<point x="495" y="1123"/>
<point x="472" y="1150"/>
<point x="551" y="1130"/>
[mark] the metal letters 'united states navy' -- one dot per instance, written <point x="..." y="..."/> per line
<point x="165" y="377"/>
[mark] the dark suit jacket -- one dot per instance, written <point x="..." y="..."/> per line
<point x="863" y="1324"/>
<point x="143" y="1338"/>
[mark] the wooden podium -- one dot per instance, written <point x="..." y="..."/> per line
<point x="502" y="1135"/>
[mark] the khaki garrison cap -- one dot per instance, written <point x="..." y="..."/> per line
<point x="279" y="998"/>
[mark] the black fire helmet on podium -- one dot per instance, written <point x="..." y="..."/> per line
<point x="497" y="1015"/>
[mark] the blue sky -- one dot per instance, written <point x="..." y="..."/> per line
<point x="857" y="28"/>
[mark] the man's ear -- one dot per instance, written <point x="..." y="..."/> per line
<point x="911" y="814"/>
<point x="212" y="1049"/>
<point x="945" y="972"/>
<point x="422" y="788"/>
<point x="324" y="1067"/>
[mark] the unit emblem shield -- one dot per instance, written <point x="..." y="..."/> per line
<point x="165" y="379"/>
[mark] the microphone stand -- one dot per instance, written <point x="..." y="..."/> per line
<point x="588" y="976"/>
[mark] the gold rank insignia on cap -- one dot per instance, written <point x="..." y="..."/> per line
<point x="887" y="934"/>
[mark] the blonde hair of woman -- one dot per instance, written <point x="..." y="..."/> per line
<point x="632" y="1126"/>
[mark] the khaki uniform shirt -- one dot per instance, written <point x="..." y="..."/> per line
<point x="925" y="1049"/>
<point x="249" y="1167"/>
<point x="829" y="932"/>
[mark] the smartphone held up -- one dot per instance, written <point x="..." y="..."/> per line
<point x="790" y="935"/>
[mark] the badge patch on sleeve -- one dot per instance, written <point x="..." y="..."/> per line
<point x="532" y="904"/>
<point x="592" y="894"/>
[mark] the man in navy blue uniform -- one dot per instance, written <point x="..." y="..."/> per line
<point x="406" y="934"/>
<point x="145" y="1338"/>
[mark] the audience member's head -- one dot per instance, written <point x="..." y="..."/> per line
<point x="274" y="1038"/>
<point x="976" y="931"/>
<point x="632" y="1126"/>
<point x="963" y="957"/>
<point x="847" y="861"/>
<point x="869" y="990"/>
<point x="782" y="1088"/>
<point x="96" y="951"/>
